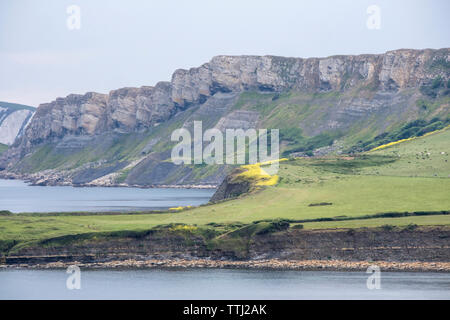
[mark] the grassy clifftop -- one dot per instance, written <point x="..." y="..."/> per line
<point x="403" y="185"/>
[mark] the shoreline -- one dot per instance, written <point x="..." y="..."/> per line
<point x="268" y="264"/>
<point x="32" y="182"/>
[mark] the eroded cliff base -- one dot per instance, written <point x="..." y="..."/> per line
<point x="402" y="249"/>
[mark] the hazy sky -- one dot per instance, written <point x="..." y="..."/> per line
<point x="135" y="42"/>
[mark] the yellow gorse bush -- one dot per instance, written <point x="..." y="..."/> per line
<point x="183" y="228"/>
<point x="179" y="208"/>
<point x="257" y="174"/>
<point x="391" y="144"/>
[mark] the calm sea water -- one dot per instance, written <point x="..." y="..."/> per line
<point x="220" y="284"/>
<point x="17" y="196"/>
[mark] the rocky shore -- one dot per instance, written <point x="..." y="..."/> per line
<point x="54" y="178"/>
<point x="273" y="264"/>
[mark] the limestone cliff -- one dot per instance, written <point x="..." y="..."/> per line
<point x="341" y="94"/>
<point x="13" y="120"/>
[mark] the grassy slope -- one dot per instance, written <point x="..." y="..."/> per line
<point x="369" y="184"/>
<point x="123" y="148"/>
<point x="289" y="112"/>
<point x="425" y="157"/>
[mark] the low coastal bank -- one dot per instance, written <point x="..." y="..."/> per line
<point x="268" y="264"/>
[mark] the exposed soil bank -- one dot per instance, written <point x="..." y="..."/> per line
<point x="406" y="249"/>
<point x="230" y="189"/>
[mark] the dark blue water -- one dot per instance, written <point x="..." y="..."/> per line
<point x="220" y="284"/>
<point x="17" y="196"/>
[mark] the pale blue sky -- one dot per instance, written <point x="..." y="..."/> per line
<point x="135" y="42"/>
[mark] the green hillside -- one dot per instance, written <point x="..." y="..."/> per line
<point x="301" y="117"/>
<point x="421" y="157"/>
<point x="394" y="186"/>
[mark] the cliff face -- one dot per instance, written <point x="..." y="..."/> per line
<point x="230" y="189"/>
<point x="390" y="71"/>
<point x="75" y="114"/>
<point x="366" y="244"/>
<point x="13" y="120"/>
<point x="365" y="84"/>
<point x="132" y="109"/>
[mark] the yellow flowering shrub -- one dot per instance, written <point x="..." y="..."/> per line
<point x="391" y="144"/>
<point x="257" y="174"/>
<point x="273" y="180"/>
<point x="179" y="208"/>
<point x="183" y="228"/>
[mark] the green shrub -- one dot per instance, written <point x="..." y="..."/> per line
<point x="275" y="226"/>
<point x="433" y="89"/>
<point x="320" y="204"/>
<point x="387" y="227"/>
<point x="411" y="226"/>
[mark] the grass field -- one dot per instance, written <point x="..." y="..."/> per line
<point x="411" y="176"/>
<point x="422" y="157"/>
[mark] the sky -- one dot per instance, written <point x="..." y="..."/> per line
<point x="134" y="43"/>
